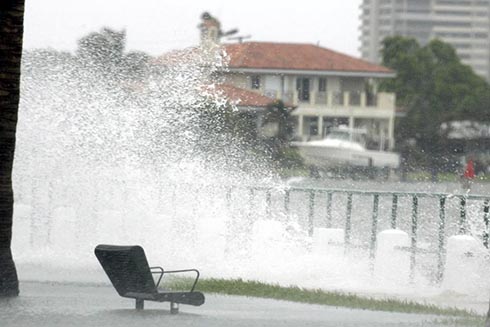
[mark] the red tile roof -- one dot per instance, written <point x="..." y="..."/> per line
<point x="242" y="97"/>
<point x="295" y="56"/>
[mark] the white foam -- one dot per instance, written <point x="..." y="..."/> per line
<point x="328" y="241"/>
<point x="467" y="265"/>
<point x="392" y="260"/>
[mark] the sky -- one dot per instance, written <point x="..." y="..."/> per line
<point x="157" y="26"/>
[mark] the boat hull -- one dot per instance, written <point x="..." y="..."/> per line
<point x="330" y="157"/>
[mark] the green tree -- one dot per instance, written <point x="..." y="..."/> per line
<point x="104" y="52"/>
<point x="278" y="118"/>
<point x="104" y="48"/>
<point x="263" y="134"/>
<point x="434" y="87"/>
<point x="11" y="34"/>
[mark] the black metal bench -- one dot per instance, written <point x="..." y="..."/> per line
<point x="132" y="277"/>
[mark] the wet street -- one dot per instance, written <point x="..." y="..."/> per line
<point x="46" y="304"/>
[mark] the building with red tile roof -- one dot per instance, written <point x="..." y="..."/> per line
<point x="327" y="88"/>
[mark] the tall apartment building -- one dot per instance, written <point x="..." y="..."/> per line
<point x="465" y="24"/>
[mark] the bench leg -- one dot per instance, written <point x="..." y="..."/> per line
<point x="140" y="304"/>
<point x="174" y="308"/>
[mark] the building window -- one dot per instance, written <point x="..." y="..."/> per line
<point x="303" y="88"/>
<point x="322" y="84"/>
<point x="255" y="82"/>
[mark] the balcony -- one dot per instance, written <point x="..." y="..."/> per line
<point x="339" y="100"/>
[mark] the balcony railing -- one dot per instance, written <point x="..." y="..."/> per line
<point x="321" y="97"/>
<point x="343" y="99"/>
<point x="355" y="98"/>
<point x="337" y="98"/>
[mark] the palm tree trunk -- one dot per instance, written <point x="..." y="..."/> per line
<point x="11" y="33"/>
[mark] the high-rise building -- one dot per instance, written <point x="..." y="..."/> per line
<point x="465" y="24"/>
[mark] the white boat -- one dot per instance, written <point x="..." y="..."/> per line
<point x="345" y="147"/>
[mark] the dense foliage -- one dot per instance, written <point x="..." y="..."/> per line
<point x="433" y="87"/>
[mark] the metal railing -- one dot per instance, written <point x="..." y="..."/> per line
<point x="315" y="195"/>
<point x="428" y="218"/>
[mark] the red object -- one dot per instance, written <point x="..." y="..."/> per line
<point x="469" y="172"/>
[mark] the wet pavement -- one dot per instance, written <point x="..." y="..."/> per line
<point x="51" y="304"/>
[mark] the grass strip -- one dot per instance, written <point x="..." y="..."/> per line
<point x="317" y="296"/>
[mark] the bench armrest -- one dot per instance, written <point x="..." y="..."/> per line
<point x="161" y="272"/>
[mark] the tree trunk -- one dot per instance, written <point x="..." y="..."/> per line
<point x="11" y="33"/>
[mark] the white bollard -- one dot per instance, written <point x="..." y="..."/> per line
<point x="466" y="260"/>
<point x="392" y="261"/>
<point x="328" y="241"/>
